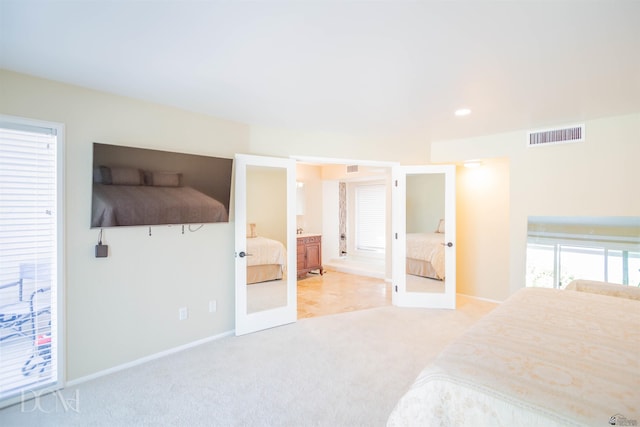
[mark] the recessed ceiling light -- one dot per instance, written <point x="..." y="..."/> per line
<point x="462" y="112"/>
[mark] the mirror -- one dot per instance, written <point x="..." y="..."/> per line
<point x="425" y="213"/>
<point x="266" y="238"/>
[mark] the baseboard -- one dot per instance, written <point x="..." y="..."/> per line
<point x="481" y="299"/>
<point x="356" y="270"/>
<point x="146" y="359"/>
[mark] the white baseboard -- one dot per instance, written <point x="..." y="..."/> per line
<point x="481" y="299"/>
<point x="146" y="359"/>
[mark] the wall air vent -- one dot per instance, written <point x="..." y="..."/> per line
<point x="555" y="136"/>
<point x="352" y="168"/>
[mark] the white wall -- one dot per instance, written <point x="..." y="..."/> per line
<point x="330" y="220"/>
<point x="482" y="224"/>
<point x="597" y="177"/>
<point x="311" y="220"/>
<point x="286" y="143"/>
<point x="125" y="306"/>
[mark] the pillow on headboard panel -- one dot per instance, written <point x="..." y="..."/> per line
<point x="251" y="230"/>
<point x="162" y="179"/>
<point x="117" y="176"/>
<point x="440" y="228"/>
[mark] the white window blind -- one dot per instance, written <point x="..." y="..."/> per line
<point x="28" y="259"/>
<point x="370" y="217"/>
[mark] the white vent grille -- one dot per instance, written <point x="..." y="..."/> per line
<point x="555" y="136"/>
<point x="352" y="168"/>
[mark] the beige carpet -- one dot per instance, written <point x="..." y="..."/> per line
<point x="341" y="370"/>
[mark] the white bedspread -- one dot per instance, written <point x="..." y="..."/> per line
<point x="427" y="247"/>
<point x="265" y="251"/>
<point x="544" y="357"/>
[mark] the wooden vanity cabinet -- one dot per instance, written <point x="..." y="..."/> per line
<point x="309" y="249"/>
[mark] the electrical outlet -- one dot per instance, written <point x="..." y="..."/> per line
<point x="183" y="313"/>
<point x="213" y="306"/>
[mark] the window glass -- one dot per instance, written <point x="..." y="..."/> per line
<point x="370" y="217"/>
<point x="577" y="262"/>
<point x="540" y="265"/>
<point x="562" y="249"/>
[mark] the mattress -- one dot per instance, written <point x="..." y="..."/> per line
<point x="264" y="273"/>
<point x="262" y="250"/>
<point x="266" y="259"/>
<point x="545" y="357"/>
<point x="416" y="267"/>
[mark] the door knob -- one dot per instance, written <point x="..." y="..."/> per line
<point x="449" y="244"/>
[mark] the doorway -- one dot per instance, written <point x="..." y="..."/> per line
<point x="348" y="203"/>
<point x="332" y="203"/>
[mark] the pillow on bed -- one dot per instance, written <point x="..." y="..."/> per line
<point x="604" y="288"/>
<point x="162" y="179"/>
<point x="440" y="228"/>
<point x="126" y="176"/>
<point x="117" y="176"/>
<point x="98" y="175"/>
<point x="251" y="230"/>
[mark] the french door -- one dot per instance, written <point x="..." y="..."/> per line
<point x="30" y="258"/>
<point x="424" y="227"/>
<point x="265" y="209"/>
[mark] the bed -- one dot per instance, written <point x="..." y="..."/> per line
<point x="267" y="260"/>
<point x="544" y="357"/>
<point x="425" y="255"/>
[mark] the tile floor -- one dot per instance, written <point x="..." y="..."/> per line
<point x="336" y="292"/>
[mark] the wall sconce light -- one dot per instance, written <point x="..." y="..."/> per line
<point x="472" y="164"/>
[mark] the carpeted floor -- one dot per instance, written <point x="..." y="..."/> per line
<point x="340" y="370"/>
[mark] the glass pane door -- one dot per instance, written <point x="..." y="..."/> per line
<point x="265" y="206"/>
<point x="29" y="200"/>
<point x="424" y="236"/>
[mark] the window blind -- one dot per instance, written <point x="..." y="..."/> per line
<point x="28" y="196"/>
<point x="28" y="256"/>
<point x="370" y="217"/>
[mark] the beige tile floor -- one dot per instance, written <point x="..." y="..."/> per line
<point x="336" y="292"/>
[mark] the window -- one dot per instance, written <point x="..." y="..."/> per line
<point x="606" y="249"/>
<point x="370" y="211"/>
<point x="29" y="255"/>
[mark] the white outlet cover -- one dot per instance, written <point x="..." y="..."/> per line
<point x="183" y="313"/>
<point x="213" y="306"/>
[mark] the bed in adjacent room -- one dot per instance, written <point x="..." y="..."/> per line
<point x="267" y="260"/>
<point x="545" y="357"/>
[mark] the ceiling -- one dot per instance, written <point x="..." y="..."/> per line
<point x="388" y="68"/>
